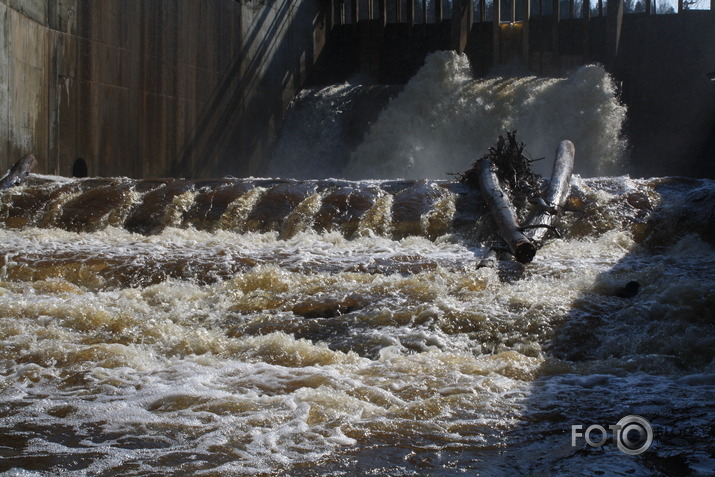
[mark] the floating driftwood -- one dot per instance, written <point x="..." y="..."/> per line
<point x="504" y="177"/>
<point x="18" y="172"/>
<point x="559" y="187"/>
<point x="503" y="212"/>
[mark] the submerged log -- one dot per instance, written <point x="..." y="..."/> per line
<point x="18" y="172"/>
<point x="503" y="212"/>
<point x="542" y="221"/>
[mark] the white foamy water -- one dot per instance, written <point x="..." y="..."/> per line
<point x="320" y="355"/>
<point x="267" y="327"/>
<point x="313" y="146"/>
<point x="444" y="120"/>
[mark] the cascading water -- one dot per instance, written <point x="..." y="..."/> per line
<point x="444" y="119"/>
<point x="336" y="327"/>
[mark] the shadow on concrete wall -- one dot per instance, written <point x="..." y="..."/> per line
<point x="239" y="124"/>
<point x="663" y="67"/>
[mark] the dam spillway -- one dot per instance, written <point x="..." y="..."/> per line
<point x="347" y="322"/>
<point x="142" y="211"/>
<point x="199" y="89"/>
<point x="206" y="342"/>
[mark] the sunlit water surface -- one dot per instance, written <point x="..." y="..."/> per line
<point x="268" y="327"/>
<point x="231" y="353"/>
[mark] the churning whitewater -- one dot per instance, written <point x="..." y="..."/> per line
<point x="341" y="327"/>
<point x="444" y="119"/>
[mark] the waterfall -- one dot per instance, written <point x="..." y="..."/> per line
<point x="444" y="119"/>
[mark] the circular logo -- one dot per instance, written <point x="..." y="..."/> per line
<point x="634" y="435"/>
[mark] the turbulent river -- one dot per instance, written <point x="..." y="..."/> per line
<point x="335" y="327"/>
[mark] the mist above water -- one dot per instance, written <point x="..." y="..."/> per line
<point x="444" y="119"/>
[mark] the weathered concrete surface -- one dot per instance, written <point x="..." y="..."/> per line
<point x="23" y="85"/>
<point x="151" y="88"/>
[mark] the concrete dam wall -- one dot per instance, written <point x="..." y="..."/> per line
<point x="199" y="88"/>
<point x="150" y="88"/>
<point x="663" y="64"/>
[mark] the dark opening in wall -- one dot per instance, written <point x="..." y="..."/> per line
<point x="79" y="168"/>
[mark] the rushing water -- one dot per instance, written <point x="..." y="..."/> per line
<point x="443" y="120"/>
<point x="330" y="327"/>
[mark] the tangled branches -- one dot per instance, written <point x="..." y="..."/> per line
<point x="513" y="169"/>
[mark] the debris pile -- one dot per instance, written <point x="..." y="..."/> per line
<point x="506" y="182"/>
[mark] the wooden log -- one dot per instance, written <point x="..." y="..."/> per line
<point x="559" y="187"/>
<point x="18" y="172"/>
<point x="503" y="212"/>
